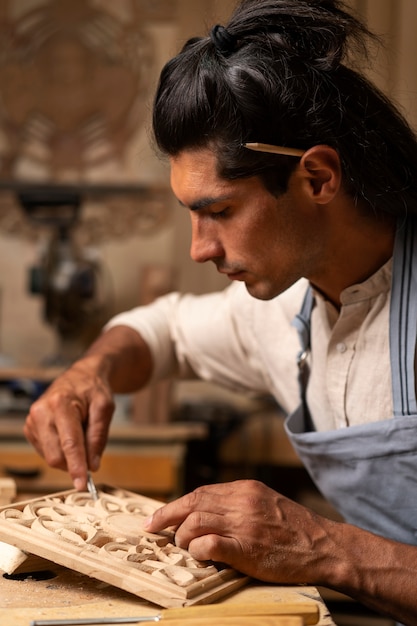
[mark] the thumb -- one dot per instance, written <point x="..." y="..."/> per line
<point x="97" y="430"/>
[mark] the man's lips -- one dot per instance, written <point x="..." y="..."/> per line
<point x="232" y="274"/>
<point x="236" y="275"/>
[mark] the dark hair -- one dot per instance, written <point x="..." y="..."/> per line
<point x="280" y="73"/>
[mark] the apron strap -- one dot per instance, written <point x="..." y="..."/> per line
<point x="403" y="319"/>
<point x="302" y="322"/>
<point x="402" y="326"/>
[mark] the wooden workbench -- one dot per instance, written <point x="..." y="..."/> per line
<point x="73" y="595"/>
<point x="61" y="593"/>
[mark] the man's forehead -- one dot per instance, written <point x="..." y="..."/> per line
<point x="195" y="180"/>
<point x="194" y="163"/>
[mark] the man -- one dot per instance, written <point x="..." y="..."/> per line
<point x="316" y="231"/>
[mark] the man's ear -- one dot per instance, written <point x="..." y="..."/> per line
<point x="323" y="172"/>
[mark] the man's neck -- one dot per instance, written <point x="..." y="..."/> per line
<point x="356" y="256"/>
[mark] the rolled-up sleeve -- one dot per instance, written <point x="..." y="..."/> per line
<point x="229" y="338"/>
<point x="208" y="337"/>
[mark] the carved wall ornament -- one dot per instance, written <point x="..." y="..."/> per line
<point x="105" y="217"/>
<point x="74" y="78"/>
<point x="105" y="539"/>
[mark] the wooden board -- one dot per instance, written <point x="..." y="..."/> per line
<point x="73" y="595"/>
<point x="105" y="540"/>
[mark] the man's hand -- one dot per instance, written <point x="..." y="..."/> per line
<point x="259" y="532"/>
<point x="69" y="424"/>
<point x="248" y="526"/>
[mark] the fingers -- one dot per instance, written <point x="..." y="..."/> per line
<point x="97" y="428"/>
<point x="207" y="525"/>
<point x="204" y="523"/>
<point x="58" y="436"/>
<point x="211" y="498"/>
<point x="71" y="439"/>
<point x="70" y="429"/>
<point x="248" y="526"/>
<point x="45" y="439"/>
<point x="218" y="515"/>
<point x="216" y="548"/>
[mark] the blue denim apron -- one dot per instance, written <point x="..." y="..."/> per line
<point x="369" y="472"/>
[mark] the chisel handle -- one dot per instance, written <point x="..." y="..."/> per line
<point x="308" y="611"/>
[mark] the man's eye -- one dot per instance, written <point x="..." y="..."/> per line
<point x="220" y="214"/>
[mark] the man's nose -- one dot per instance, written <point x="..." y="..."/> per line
<point x="205" y="243"/>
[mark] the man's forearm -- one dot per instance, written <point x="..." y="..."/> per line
<point x="376" y="571"/>
<point x="123" y="357"/>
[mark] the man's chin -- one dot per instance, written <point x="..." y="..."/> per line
<point x="262" y="292"/>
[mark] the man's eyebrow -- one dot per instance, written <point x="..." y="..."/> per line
<point x="203" y="203"/>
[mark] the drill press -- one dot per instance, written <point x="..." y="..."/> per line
<point x="65" y="276"/>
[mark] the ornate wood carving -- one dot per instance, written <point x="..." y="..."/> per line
<point x="105" y="539"/>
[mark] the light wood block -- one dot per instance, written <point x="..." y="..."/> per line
<point x="7" y="490"/>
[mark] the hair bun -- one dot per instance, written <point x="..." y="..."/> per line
<point x="316" y="31"/>
<point x="223" y="41"/>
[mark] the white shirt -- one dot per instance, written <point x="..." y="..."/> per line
<point x="233" y="339"/>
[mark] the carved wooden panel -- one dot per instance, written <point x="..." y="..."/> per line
<point x="105" y="540"/>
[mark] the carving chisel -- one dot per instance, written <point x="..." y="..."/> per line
<point x="91" y="486"/>
<point x="237" y="620"/>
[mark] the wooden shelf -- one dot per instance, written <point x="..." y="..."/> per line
<point x="39" y="374"/>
